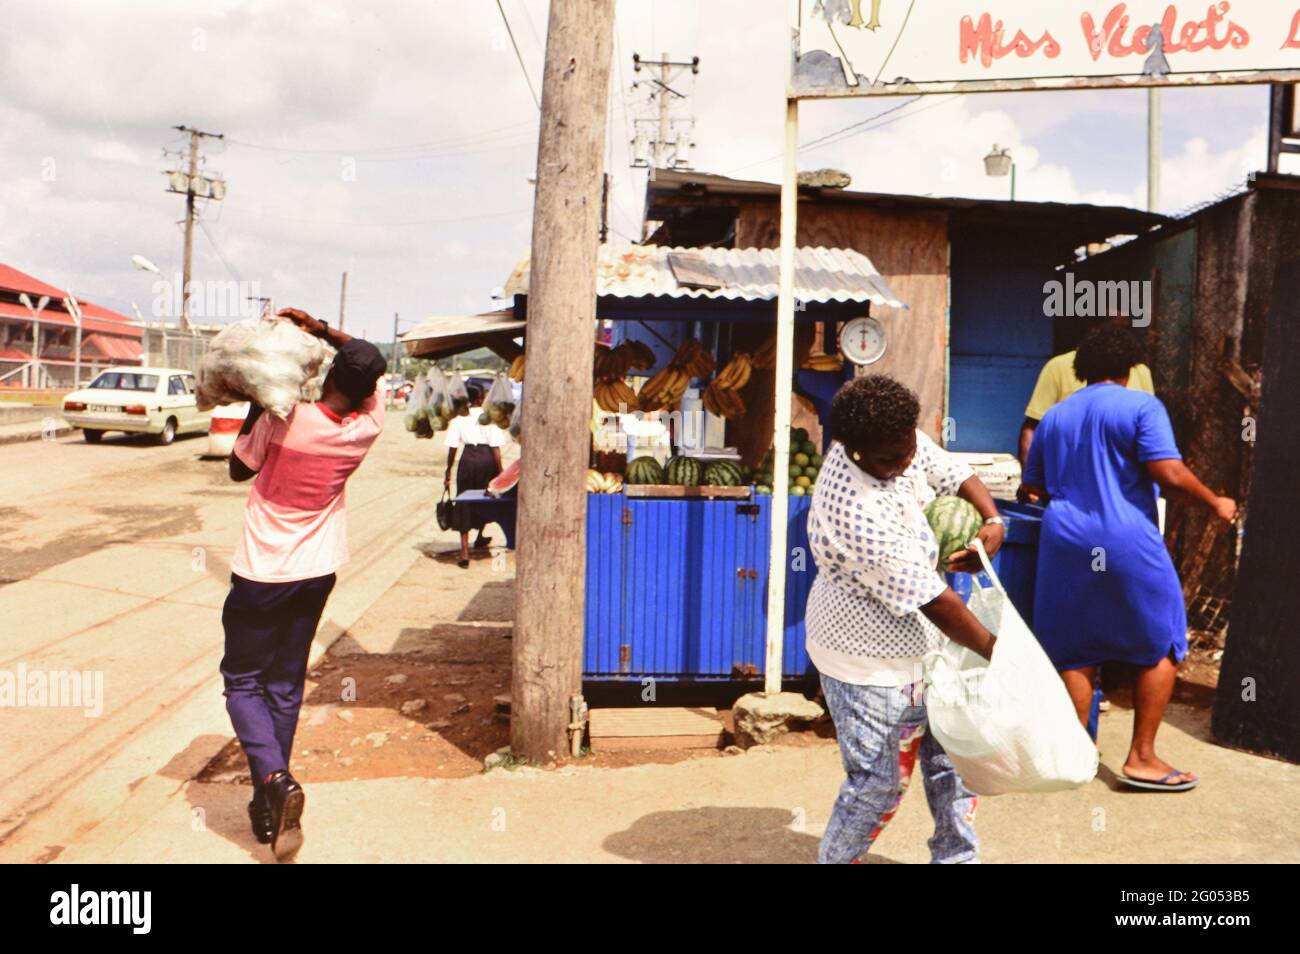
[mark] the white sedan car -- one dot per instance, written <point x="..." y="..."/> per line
<point x="158" y="401"/>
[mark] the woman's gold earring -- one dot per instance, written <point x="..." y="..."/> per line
<point x="857" y="457"/>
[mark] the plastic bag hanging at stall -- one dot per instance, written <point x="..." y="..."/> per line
<point x="499" y="405"/>
<point x="415" y="404"/>
<point x="1007" y="724"/>
<point x="426" y="422"/>
<point x="268" y="361"/>
<point x="457" y="393"/>
<point x="437" y="403"/>
<point x="516" y="420"/>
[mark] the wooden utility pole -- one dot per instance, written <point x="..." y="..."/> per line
<point x="188" y="263"/>
<point x="193" y="183"/>
<point x="552" y="553"/>
<point x="665" y="155"/>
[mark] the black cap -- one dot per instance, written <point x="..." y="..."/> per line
<point x="357" y="366"/>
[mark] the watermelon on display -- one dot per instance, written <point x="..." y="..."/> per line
<point x="723" y="473"/>
<point x="955" y="523"/>
<point x="504" y="482"/>
<point x="683" y="471"/>
<point x="644" y="470"/>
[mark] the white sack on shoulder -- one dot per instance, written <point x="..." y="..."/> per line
<point x="271" y="362"/>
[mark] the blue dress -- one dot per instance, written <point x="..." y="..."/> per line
<point x="1107" y="590"/>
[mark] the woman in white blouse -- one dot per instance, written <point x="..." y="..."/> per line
<point x="479" y="446"/>
<point x="879" y="605"/>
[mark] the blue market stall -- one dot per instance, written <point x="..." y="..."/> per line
<point x="677" y="588"/>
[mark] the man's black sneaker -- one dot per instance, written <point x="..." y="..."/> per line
<point x="259" y="816"/>
<point x="286" y="799"/>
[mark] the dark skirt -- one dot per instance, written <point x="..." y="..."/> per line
<point x="477" y="467"/>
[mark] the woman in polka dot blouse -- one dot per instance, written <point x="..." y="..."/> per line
<point x="878" y="606"/>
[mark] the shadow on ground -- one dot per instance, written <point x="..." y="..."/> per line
<point x="715" y="835"/>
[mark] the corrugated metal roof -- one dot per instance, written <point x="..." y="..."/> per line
<point x="93" y="317"/>
<point x="447" y="335"/>
<point x="123" y="349"/>
<point x="489" y="322"/>
<point x="750" y="274"/>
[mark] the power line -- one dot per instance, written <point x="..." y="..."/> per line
<point x="839" y="134"/>
<point x="216" y="248"/>
<point x="518" y="55"/>
<point x="938" y="101"/>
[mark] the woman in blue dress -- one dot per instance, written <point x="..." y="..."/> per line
<point x="1108" y="591"/>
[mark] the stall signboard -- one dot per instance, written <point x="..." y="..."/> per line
<point x="893" y="47"/>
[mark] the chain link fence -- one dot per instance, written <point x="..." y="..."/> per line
<point x="167" y="346"/>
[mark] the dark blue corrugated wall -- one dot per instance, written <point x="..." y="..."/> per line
<point x="999" y="337"/>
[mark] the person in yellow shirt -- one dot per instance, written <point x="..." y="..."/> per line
<point x="1056" y="382"/>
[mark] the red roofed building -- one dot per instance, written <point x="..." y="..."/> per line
<point x="107" y="337"/>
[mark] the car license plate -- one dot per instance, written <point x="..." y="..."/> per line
<point x="104" y="408"/>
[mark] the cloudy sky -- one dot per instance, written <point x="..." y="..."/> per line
<point x="395" y="139"/>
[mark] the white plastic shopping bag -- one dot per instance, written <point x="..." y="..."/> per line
<point x="1007" y="723"/>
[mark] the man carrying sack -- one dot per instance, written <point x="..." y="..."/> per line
<point x="294" y="539"/>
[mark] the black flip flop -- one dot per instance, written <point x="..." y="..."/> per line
<point x="1161" y="785"/>
<point x="463" y="564"/>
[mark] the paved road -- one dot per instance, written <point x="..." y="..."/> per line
<point x="114" y="561"/>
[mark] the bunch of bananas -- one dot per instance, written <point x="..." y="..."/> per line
<point x="692" y="358"/>
<point x="516" y="371"/>
<point x="610" y="363"/>
<point x="722" y="397"/>
<point x="665" y="388"/>
<point x="616" y="396"/>
<point x="639" y="355"/>
<point x="598" y="483"/>
<point x="823" y="362"/>
<point x="613" y="394"/>
<point x="765" y="356"/>
<point x="735" y="373"/>
<point x="724" y="402"/>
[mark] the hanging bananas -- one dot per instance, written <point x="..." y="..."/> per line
<point x="692" y="358"/>
<point x="616" y="397"/>
<point x="516" y="371"/>
<point x="765" y="357"/>
<point x="735" y="373"/>
<point x="823" y="362"/>
<point x="723" y="402"/>
<point x="639" y="357"/>
<point x="665" y="388"/>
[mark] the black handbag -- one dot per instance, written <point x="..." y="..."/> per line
<point x="444" y="510"/>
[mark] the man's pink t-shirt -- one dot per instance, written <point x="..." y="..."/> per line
<point x="295" y="525"/>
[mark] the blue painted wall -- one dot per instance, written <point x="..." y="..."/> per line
<point x="999" y="337"/>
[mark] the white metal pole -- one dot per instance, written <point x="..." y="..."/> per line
<point x="1154" y="148"/>
<point x="778" y="562"/>
<point x="74" y="308"/>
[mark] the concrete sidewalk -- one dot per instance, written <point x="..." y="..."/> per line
<point x="769" y="805"/>
<point x="37" y="423"/>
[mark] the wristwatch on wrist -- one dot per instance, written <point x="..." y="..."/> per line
<point x="995" y="521"/>
<point x="324" y="330"/>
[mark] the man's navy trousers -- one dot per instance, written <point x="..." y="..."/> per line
<point x="269" y="629"/>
